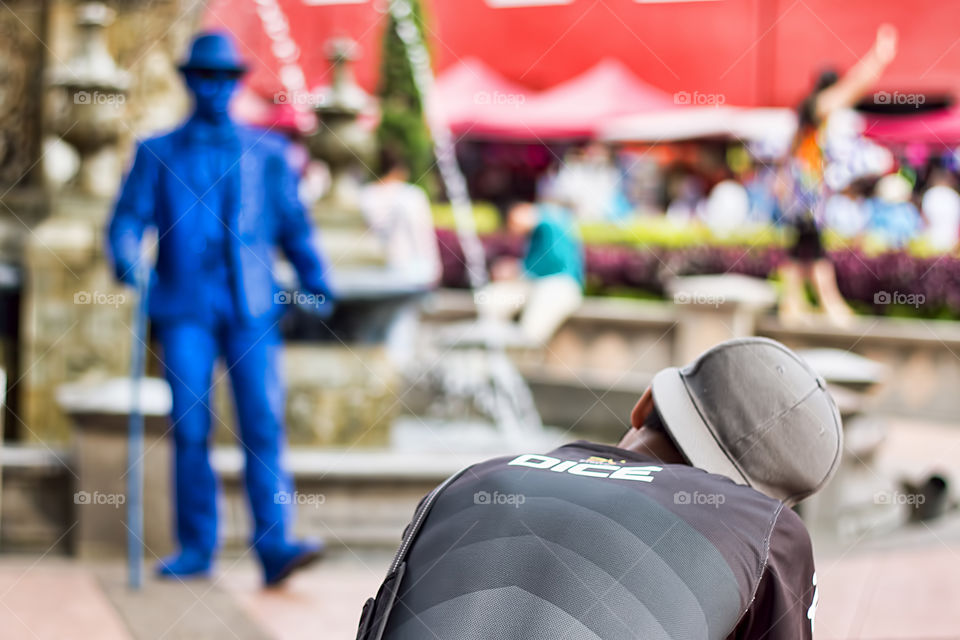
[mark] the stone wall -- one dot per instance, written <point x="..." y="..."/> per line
<point x="23" y="26"/>
<point x="23" y="30"/>
<point x="608" y="351"/>
<point x="921" y="359"/>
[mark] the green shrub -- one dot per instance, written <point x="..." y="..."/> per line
<point x="485" y="216"/>
<point x="658" y="231"/>
<point x="402" y="129"/>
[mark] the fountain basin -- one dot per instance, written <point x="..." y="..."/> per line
<point x="344" y="388"/>
<point x="368" y="303"/>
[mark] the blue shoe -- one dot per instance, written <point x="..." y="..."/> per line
<point x="279" y="564"/>
<point x="185" y="565"/>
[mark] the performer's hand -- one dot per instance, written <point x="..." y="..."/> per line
<point x="320" y="304"/>
<point x="886" y="43"/>
<point x="127" y="274"/>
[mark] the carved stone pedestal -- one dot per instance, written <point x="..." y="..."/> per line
<point x="99" y="415"/>
<point x="340" y="396"/>
<point x="76" y="321"/>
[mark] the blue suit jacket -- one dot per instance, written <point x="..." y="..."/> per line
<point x="166" y="188"/>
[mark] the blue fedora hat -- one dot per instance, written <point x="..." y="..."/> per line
<point x="213" y="51"/>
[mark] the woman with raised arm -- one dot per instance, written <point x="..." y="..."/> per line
<point x="828" y="152"/>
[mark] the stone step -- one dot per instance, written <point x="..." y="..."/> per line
<point x="36" y="502"/>
<point x="348" y="497"/>
<point x="596" y="405"/>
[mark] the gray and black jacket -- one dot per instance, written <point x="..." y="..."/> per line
<point x="593" y="542"/>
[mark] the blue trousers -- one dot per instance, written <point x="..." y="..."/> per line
<point x="253" y="361"/>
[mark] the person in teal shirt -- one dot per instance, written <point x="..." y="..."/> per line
<point x="554" y="247"/>
<point x="546" y="286"/>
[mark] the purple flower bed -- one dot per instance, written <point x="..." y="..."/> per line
<point x="935" y="281"/>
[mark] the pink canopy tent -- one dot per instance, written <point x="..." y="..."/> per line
<point x="578" y="107"/>
<point x="936" y="128"/>
<point x="470" y="93"/>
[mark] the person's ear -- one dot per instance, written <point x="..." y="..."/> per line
<point x="642" y="409"/>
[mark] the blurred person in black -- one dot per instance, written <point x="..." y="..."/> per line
<point x="827" y="154"/>
<point x="681" y="531"/>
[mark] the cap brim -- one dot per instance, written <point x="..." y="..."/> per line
<point x="687" y="427"/>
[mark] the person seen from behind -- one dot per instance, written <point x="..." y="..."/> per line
<point x="681" y="531"/>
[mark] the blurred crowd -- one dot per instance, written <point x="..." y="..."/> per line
<point x="916" y="200"/>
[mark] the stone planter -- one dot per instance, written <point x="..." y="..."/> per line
<point x="712" y="309"/>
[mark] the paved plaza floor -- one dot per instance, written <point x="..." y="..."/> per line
<point x="901" y="585"/>
<point x="909" y="594"/>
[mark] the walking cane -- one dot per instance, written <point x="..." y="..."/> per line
<point x="138" y="354"/>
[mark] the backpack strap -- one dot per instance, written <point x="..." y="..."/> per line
<point x="376" y="611"/>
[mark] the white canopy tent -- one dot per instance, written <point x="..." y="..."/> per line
<point x="770" y="128"/>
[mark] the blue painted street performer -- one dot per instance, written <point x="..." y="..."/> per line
<point x="221" y="197"/>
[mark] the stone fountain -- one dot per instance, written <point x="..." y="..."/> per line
<point x="343" y="387"/>
<point x="91" y="102"/>
<point x="341" y="141"/>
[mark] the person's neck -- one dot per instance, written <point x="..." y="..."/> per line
<point x="215" y="120"/>
<point x="393" y="178"/>
<point x="651" y="443"/>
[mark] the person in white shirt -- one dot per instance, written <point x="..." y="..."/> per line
<point x="590" y="184"/>
<point x="941" y="209"/>
<point x="398" y="213"/>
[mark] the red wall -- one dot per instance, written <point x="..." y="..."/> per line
<point x="817" y="32"/>
<point x="311" y="27"/>
<point x="751" y="51"/>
